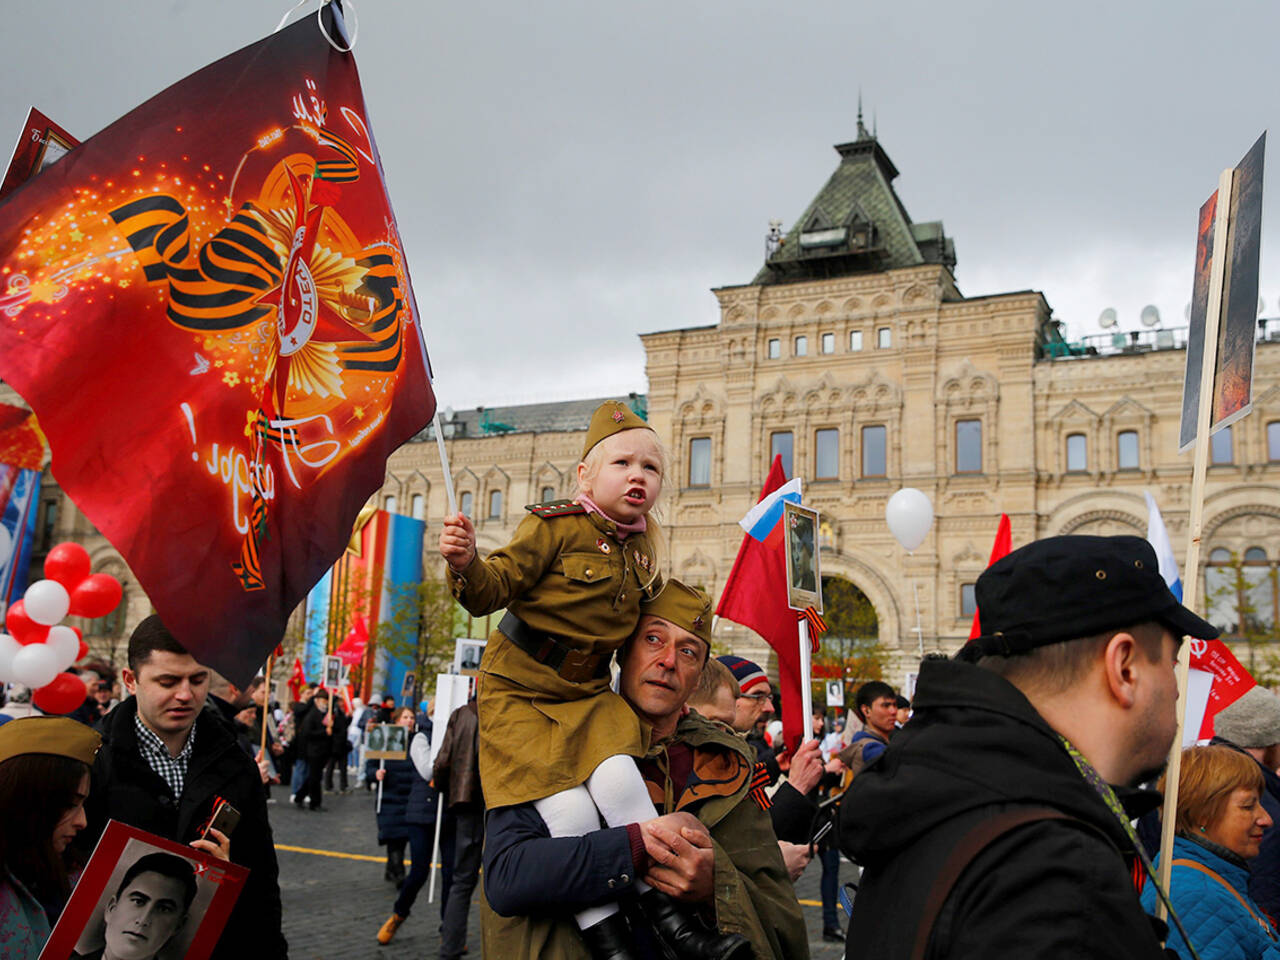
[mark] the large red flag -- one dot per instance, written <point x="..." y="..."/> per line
<point x="1001" y="548"/>
<point x="755" y="595"/>
<point x="208" y="308"/>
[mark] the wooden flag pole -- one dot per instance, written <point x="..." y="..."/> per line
<point x="806" y="679"/>
<point x="1191" y="572"/>
<point x="266" y="705"/>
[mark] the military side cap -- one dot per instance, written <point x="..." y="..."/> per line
<point x="612" y="416"/>
<point x="1067" y="588"/>
<point x="59" y="736"/>
<point x="686" y="607"/>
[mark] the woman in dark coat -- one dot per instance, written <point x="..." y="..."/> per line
<point x="396" y="777"/>
<point x="420" y="825"/>
<point x="340" y="748"/>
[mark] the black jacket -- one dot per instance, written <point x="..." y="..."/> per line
<point x="315" y="742"/>
<point x="1050" y="889"/>
<point x="125" y="788"/>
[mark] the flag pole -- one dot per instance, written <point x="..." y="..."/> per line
<point x="444" y="463"/>
<point x="266" y="705"/>
<point x="1191" y="575"/>
<point x="806" y="679"/>
<point x="435" y="849"/>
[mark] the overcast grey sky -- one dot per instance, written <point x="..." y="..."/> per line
<point x="567" y="175"/>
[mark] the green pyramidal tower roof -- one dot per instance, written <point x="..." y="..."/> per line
<point x="856" y="224"/>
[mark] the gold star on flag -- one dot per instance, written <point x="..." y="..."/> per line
<point x="359" y="413"/>
<point x="76" y="235"/>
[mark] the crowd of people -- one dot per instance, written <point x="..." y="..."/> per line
<point x="617" y="792"/>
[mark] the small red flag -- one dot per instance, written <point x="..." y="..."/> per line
<point x="353" y="647"/>
<point x="297" y="680"/>
<point x="1001" y="548"/>
<point x="755" y="595"/>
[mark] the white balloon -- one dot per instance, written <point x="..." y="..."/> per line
<point x="9" y="648"/>
<point x="909" y="515"/>
<point x="47" y="602"/>
<point x="35" y="665"/>
<point x="65" y="645"/>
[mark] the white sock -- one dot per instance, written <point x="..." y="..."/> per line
<point x="571" y="813"/>
<point x="620" y="794"/>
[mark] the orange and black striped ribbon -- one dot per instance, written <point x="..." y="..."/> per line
<point x="760" y="780"/>
<point x="817" y="626"/>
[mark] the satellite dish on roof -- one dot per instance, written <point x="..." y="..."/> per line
<point x="1150" y="316"/>
<point x="1107" y="318"/>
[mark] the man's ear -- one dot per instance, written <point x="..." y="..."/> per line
<point x="1119" y="665"/>
<point x="130" y="680"/>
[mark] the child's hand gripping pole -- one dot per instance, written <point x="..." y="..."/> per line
<point x="458" y="541"/>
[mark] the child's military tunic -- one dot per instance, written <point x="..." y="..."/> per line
<point x="564" y="573"/>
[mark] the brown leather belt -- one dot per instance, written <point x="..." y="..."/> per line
<point x="573" y="665"/>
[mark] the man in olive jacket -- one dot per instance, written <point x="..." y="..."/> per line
<point x="727" y="859"/>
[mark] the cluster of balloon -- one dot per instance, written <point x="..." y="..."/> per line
<point x="909" y="515"/>
<point x="38" y="647"/>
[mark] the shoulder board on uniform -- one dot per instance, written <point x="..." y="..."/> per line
<point x="555" y="508"/>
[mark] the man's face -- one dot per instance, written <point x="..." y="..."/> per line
<point x="754" y="708"/>
<point x="660" y="669"/>
<point x="144" y="917"/>
<point x="171" y="689"/>
<point x="102" y="694"/>
<point x="1156" y="716"/>
<point x="881" y="715"/>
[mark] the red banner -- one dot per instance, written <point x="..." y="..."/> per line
<point x="208" y="308"/>
<point x="1231" y="681"/>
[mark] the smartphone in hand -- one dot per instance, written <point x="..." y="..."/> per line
<point x="224" y="818"/>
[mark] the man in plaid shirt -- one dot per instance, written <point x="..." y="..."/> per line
<point x="166" y="758"/>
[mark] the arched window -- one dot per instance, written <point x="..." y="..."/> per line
<point x="548" y="494"/>
<point x="418" y="507"/>
<point x="464" y="502"/>
<point x="1243" y="593"/>
<point x="495" y="504"/>
<point x="389" y="504"/>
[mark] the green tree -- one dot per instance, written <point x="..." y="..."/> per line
<point x="851" y="648"/>
<point x="420" y="628"/>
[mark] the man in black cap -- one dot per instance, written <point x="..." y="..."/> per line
<point x="996" y="822"/>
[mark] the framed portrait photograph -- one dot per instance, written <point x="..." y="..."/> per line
<point x="408" y="688"/>
<point x="147" y="898"/>
<point x="804" y="580"/>
<point x="835" y="693"/>
<point x="332" y="673"/>
<point x="466" y="656"/>
<point x="386" y="741"/>
<point x="41" y="143"/>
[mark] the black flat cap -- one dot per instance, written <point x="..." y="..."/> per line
<point x="1066" y="588"/>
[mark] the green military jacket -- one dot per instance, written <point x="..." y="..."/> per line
<point x="567" y="573"/>
<point x="753" y="894"/>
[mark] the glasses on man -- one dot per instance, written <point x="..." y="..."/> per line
<point x="755" y="696"/>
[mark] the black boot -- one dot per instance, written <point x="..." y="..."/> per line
<point x="395" y="864"/>
<point x="687" y="938"/>
<point x="609" y="939"/>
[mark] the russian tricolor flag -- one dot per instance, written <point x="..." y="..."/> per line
<point x="1158" y="537"/>
<point x="765" y="518"/>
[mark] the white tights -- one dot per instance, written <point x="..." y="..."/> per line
<point x="615" y="791"/>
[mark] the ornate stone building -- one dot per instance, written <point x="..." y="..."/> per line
<point x="854" y="355"/>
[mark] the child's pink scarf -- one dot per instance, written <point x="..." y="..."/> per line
<point x="624" y="529"/>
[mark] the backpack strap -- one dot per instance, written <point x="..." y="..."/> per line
<point x="963" y="853"/>
<point x="1209" y="872"/>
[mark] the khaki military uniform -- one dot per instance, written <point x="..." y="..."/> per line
<point x="753" y="893"/>
<point x="567" y="573"/>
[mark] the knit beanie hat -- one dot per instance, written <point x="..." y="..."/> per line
<point x="746" y="672"/>
<point x="1252" y="721"/>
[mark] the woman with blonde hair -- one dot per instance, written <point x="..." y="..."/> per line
<point x="1220" y="822"/>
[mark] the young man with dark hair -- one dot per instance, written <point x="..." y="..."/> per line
<point x="877" y="706"/>
<point x="989" y="827"/>
<point x="164" y="762"/>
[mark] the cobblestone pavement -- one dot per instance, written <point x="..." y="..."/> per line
<point x="335" y="901"/>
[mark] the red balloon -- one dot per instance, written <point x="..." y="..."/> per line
<point x="84" y="648"/>
<point x="96" y="596"/>
<point x="21" y="627"/>
<point x="62" y="694"/>
<point x="68" y="563"/>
